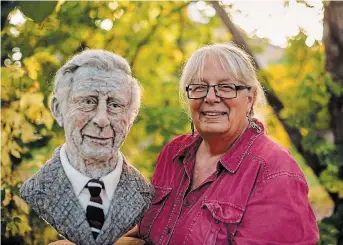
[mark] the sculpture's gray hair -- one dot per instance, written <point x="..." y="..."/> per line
<point x="101" y="60"/>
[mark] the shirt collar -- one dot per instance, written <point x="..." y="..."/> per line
<point x="112" y="179"/>
<point x="232" y="159"/>
<point x="189" y="147"/>
<point x="79" y="181"/>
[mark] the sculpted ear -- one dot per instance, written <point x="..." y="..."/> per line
<point x="56" y="111"/>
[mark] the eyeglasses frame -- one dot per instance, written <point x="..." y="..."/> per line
<point x="237" y="88"/>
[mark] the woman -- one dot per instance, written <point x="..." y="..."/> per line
<point x="228" y="183"/>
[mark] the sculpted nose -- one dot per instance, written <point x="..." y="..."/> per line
<point x="101" y="117"/>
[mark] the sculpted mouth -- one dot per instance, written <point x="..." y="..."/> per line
<point x="98" y="141"/>
<point x="97" y="138"/>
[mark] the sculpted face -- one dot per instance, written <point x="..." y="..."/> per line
<point x="96" y="118"/>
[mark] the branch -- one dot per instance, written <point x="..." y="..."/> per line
<point x="238" y="38"/>
<point x="147" y="38"/>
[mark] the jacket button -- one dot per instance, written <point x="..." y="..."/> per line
<point x="168" y="230"/>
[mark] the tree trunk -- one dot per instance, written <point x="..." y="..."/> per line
<point x="294" y="134"/>
<point x="333" y="41"/>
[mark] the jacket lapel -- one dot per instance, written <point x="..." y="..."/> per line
<point x="61" y="204"/>
<point x="125" y="210"/>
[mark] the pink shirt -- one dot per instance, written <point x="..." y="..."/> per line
<point x="258" y="195"/>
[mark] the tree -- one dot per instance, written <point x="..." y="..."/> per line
<point x="324" y="159"/>
<point x="333" y="40"/>
<point x="156" y="38"/>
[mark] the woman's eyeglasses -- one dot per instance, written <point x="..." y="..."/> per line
<point x="225" y="91"/>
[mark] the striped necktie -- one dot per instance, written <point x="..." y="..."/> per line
<point x="95" y="212"/>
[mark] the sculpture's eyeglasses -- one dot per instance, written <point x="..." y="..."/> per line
<point x="225" y="91"/>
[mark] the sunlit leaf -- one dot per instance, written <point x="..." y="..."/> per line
<point x="37" y="10"/>
<point x="8" y="197"/>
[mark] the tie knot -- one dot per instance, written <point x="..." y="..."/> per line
<point x="94" y="186"/>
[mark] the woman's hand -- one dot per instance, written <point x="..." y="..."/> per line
<point x="133" y="232"/>
<point x="130" y="238"/>
<point x="129" y="241"/>
<point x="121" y="241"/>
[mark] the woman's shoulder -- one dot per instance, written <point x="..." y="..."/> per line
<point x="276" y="158"/>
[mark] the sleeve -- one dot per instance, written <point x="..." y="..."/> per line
<point x="278" y="212"/>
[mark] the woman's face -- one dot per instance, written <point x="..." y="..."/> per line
<point x="216" y="116"/>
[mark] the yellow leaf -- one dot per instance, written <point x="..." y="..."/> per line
<point x="47" y="119"/>
<point x="21" y="204"/>
<point x="23" y="224"/>
<point x="32" y="67"/>
<point x="49" y="235"/>
<point x="5" y="159"/>
<point x="11" y="228"/>
<point x="34" y="87"/>
<point x="27" y="133"/>
<point x="178" y="55"/>
<point x="97" y="40"/>
<point x="303" y="131"/>
<point x="8" y="197"/>
<point x="15" y="149"/>
<point x="28" y="99"/>
<point x="15" y="153"/>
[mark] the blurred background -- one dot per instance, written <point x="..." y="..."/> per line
<point x="298" y="51"/>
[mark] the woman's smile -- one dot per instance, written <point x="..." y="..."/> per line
<point x="213" y="115"/>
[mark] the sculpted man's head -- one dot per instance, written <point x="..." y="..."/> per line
<point x="96" y="100"/>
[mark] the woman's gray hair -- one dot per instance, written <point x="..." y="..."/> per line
<point x="237" y="63"/>
<point x="100" y="60"/>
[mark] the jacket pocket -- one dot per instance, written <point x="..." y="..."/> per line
<point x="224" y="219"/>
<point x="160" y="196"/>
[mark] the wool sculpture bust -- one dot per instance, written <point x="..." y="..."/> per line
<point x="88" y="191"/>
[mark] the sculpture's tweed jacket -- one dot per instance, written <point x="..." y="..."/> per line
<point x="50" y="194"/>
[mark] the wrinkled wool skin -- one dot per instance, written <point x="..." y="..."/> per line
<point x="96" y="120"/>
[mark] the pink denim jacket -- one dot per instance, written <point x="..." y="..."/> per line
<point x="258" y="196"/>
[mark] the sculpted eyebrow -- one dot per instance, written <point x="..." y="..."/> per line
<point x="81" y="94"/>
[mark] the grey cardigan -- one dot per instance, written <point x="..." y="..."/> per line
<point x="50" y="194"/>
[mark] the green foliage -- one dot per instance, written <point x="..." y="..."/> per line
<point x="328" y="234"/>
<point x="156" y="38"/>
<point x="37" y="10"/>
<point x="303" y="85"/>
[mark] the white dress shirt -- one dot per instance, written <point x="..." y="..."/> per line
<point x="79" y="181"/>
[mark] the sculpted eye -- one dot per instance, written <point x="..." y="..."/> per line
<point x="114" y="105"/>
<point x="89" y="101"/>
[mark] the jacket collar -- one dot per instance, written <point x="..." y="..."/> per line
<point x="232" y="159"/>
